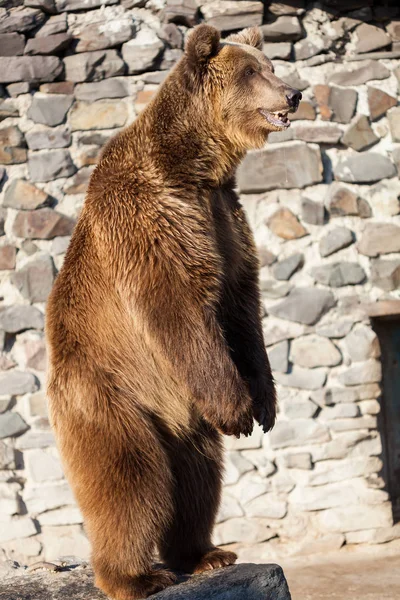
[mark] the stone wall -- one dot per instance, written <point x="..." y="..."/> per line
<point x="322" y="198"/>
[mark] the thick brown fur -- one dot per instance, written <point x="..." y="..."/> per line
<point x="154" y="322"/>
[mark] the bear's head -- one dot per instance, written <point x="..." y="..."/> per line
<point x="237" y="80"/>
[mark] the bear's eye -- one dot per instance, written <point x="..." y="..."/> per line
<point x="249" y="72"/>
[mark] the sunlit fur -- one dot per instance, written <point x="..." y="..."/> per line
<point x="154" y="326"/>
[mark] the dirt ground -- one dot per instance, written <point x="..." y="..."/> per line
<point x="353" y="573"/>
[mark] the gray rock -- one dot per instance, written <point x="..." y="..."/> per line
<point x="74" y="5"/>
<point x="171" y="35"/>
<point x="22" y="195"/>
<point x="11" y="423"/>
<point x="11" y="44"/>
<point x="282" y="50"/>
<point x="56" y="24"/>
<point x="304" y="305"/>
<point x="272" y="289"/>
<point x="297" y="408"/>
<point x="278" y="356"/>
<point x="380" y="238"/>
<point x="359" y="134"/>
<point x="339" y="274"/>
<point x="170" y="58"/>
<point x="313" y="351"/>
<point x="16" y="89"/>
<point x="379" y="102"/>
<point x="15" y="383"/>
<point x="51" y="44"/>
<point x="369" y="371"/>
<point x="50" y="164"/>
<point x="238" y="582"/>
<point x="300" y="460"/>
<point x="29" y="68"/>
<point x="50" y="109"/>
<point x="103" y="30"/>
<point x="331" y="396"/>
<point x="321" y="133"/>
<point x="285" y="268"/>
<point x="362" y="343"/>
<point x="289" y="165"/>
<point x="93" y="66"/>
<point x="47" y="6"/>
<point x="141" y="52"/>
<point x="385" y="274"/>
<point x="362" y="73"/>
<point x="343" y="201"/>
<point x="366" y="167"/>
<point x="18" y="318"/>
<point x="283" y="29"/>
<point x="7" y="457"/>
<point x="42" y="224"/>
<point x="298" y="432"/>
<point x="394" y="123"/>
<point x="103" y="114"/>
<point x="236" y="14"/>
<point x="8" y="108"/>
<point x="60" y="244"/>
<point x="336" y="239"/>
<point x="12" y="146"/>
<point x="342" y="103"/>
<point x="35" y="279"/>
<point x="369" y="37"/>
<point x="182" y="12"/>
<point x="111" y="88"/>
<point x="286" y="225"/>
<point x="312" y="212"/>
<point x="303" y="379"/>
<point x="20" y="20"/>
<point x="40" y="138"/>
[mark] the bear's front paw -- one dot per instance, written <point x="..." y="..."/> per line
<point x="265" y="415"/>
<point x="238" y="424"/>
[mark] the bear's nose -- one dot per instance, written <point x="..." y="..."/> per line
<point x="293" y="98"/>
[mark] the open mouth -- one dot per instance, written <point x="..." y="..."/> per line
<point x="278" y="119"/>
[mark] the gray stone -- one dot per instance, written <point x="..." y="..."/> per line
<point x="52" y="44"/>
<point x="309" y="47"/>
<point x="286" y="225"/>
<point x="305" y="112"/>
<point x="15" y="383"/>
<point x="369" y="371"/>
<point x="7" y="457"/>
<point x="17" y="528"/>
<point x="335" y="495"/>
<point x="360" y="74"/>
<point x="341" y="411"/>
<point x="42" y="224"/>
<point x="278" y="356"/>
<point x="289" y="165"/>
<point x="366" y="167"/>
<point x="299" y="432"/>
<point x="182" y="12"/>
<point x="11" y="44"/>
<point x="293" y="7"/>
<point x="385" y="274"/>
<point x="111" y="88"/>
<point x="17" y="318"/>
<point x="384" y="198"/>
<point x="283" y="29"/>
<point x="55" y="24"/>
<point x="334" y="240"/>
<point x="359" y="134"/>
<point x="394" y="123"/>
<point x="172" y="35"/>
<point x="11" y="423"/>
<point x="103" y="114"/>
<point x="20" y="20"/>
<point x="60" y="245"/>
<point x="282" y="50"/>
<point x="239" y="582"/>
<point x="312" y="212"/>
<point x="303" y="379"/>
<point x="285" y="268"/>
<point x="354" y="516"/>
<point x="363" y="422"/>
<point x="304" y="305"/>
<point x="339" y="274"/>
<point x="321" y="133"/>
<point x="41" y="137"/>
<point x="267" y="506"/>
<point x="343" y="201"/>
<point x="141" y="52"/>
<point x="47" y="6"/>
<point x="50" y="164"/>
<point x="93" y="66"/>
<point x="331" y="396"/>
<point x="272" y="289"/>
<point x="379" y="102"/>
<point x="35" y="279"/>
<point x="16" y="89"/>
<point x="380" y="238"/>
<point x="22" y="195"/>
<point x="369" y="37"/>
<point x="29" y="68"/>
<point x="235" y="14"/>
<point x="242" y="530"/>
<point x="8" y="108"/>
<point x="50" y="109"/>
<point x="313" y="351"/>
<point x="362" y="343"/>
<point x="301" y="460"/>
<point x="299" y="409"/>
<point x="74" y="5"/>
<point x="170" y="58"/>
<point x="101" y="29"/>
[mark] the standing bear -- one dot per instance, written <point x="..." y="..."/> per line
<point x="154" y="322"/>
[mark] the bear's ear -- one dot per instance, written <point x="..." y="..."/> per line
<point x="252" y="36"/>
<point x="202" y="45"/>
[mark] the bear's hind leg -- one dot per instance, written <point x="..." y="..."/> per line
<point x="123" y="485"/>
<point x="196" y="465"/>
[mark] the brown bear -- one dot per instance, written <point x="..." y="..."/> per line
<point x="154" y="322"/>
